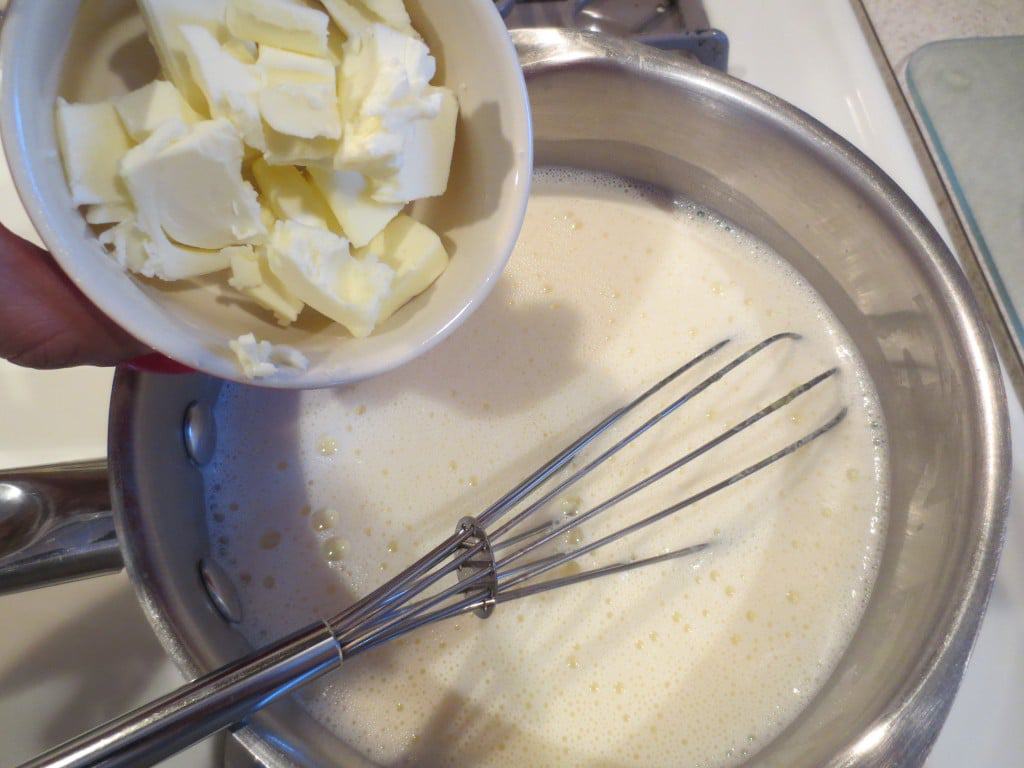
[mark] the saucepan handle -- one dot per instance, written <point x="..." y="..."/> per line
<point x="55" y="525"/>
<point x="221" y="699"/>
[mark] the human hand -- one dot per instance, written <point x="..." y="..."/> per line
<point x="46" y="321"/>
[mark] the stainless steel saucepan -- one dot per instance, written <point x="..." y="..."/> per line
<point x="604" y="104"/>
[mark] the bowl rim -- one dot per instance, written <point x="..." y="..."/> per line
<point x="219" y="363"/>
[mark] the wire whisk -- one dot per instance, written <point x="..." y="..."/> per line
<point x="490" y="559"/>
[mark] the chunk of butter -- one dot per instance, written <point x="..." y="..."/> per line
<point x="318" y="268"/>
<point x="126" y="244"/>
<point x="299" y="96"/>
<point x="231" y="88"/>
<point x="187" y="181"/>
<point x="389" y="73"/>
<point x="245" y="51"/>
<point x="156" y="256"/>
<point x="289" y="24"/>
<point x="291" y="196"/>
<point x="426" y="156"/>
<point x="146" y="109"/>
<point x="350" y="16"/>
<point x="382" y="86"/>
<point x="260" y="358"/>
<point x="251" y="275"/>
<point x="291" y="150"/>
<point x="164" y="21"/>
<point x="354" y="16"/>
<point x="108" y="213"/>
<point x="392" y="13"/>
<point x="348" y="194"/>
<point x="414" y="252"/>
<point x="92" y="144"/>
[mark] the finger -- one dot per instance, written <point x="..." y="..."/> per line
<point x="45" y="320"/>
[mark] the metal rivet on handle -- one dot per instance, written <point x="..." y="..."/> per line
<point x="221" y="591"/>
<point x="200" y="433"/>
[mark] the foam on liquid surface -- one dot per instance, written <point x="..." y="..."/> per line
<point x="696" y="662"/>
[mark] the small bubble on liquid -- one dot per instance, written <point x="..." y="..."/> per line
<point x="333" y="549"/>
<point x="327" y="446"/>
<point x="324" y="519"/>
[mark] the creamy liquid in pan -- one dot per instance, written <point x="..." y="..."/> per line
<point x="695" y="662"/>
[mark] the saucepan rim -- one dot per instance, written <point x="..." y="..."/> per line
<point x="544" y="50"/>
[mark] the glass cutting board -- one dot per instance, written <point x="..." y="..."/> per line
<point x="970" y="95"/>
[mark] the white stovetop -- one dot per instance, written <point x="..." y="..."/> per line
<point x="74" y="655"/>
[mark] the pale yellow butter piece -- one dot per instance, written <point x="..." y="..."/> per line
<point x="349" y="15"/>
<point x="164" y="21"/>
<point x="144" y="110"/>
<point x="383" y="84"/>
<point x="291" y="196"/>
<point x="348" y="194"/>
<point x="292" y="150"/>
<point x="391" y="12"/>
<point x="108" y="213"/>
<point x="251" y="275"/>
<point x="354" y="16"/>
<point x="426" y="156"/>
<point x="289" y="24"/>
<point x="92" y="144"/>
<point x="231" y="88"/>
<point x="299" y="96"/>
<point x="318" y="268"/>
<point x="245" y="51"/>
<point x="126" y="244"/>
<point x="259" y="359"/>
<point x="156" y="256"/>
<point x="414" y="252"/>
<point x="187" y="181"/>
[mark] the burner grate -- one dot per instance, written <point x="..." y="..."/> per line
<point x="675" y="25"/>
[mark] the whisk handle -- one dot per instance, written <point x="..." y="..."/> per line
<point x="225" y="697"/>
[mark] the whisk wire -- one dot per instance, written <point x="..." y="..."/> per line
<point x="485" y="580"/>
<point x="672" y="509"/>
<point x="539" y="477"/>
<point x="668" y="469"/>
<point x="647" y="425"/>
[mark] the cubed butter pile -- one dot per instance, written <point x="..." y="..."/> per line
<point x="281" y="150"/>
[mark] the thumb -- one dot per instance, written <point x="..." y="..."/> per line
<point x="45" y="320"/>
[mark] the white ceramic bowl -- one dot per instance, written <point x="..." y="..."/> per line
<point x="96" y="49"/>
